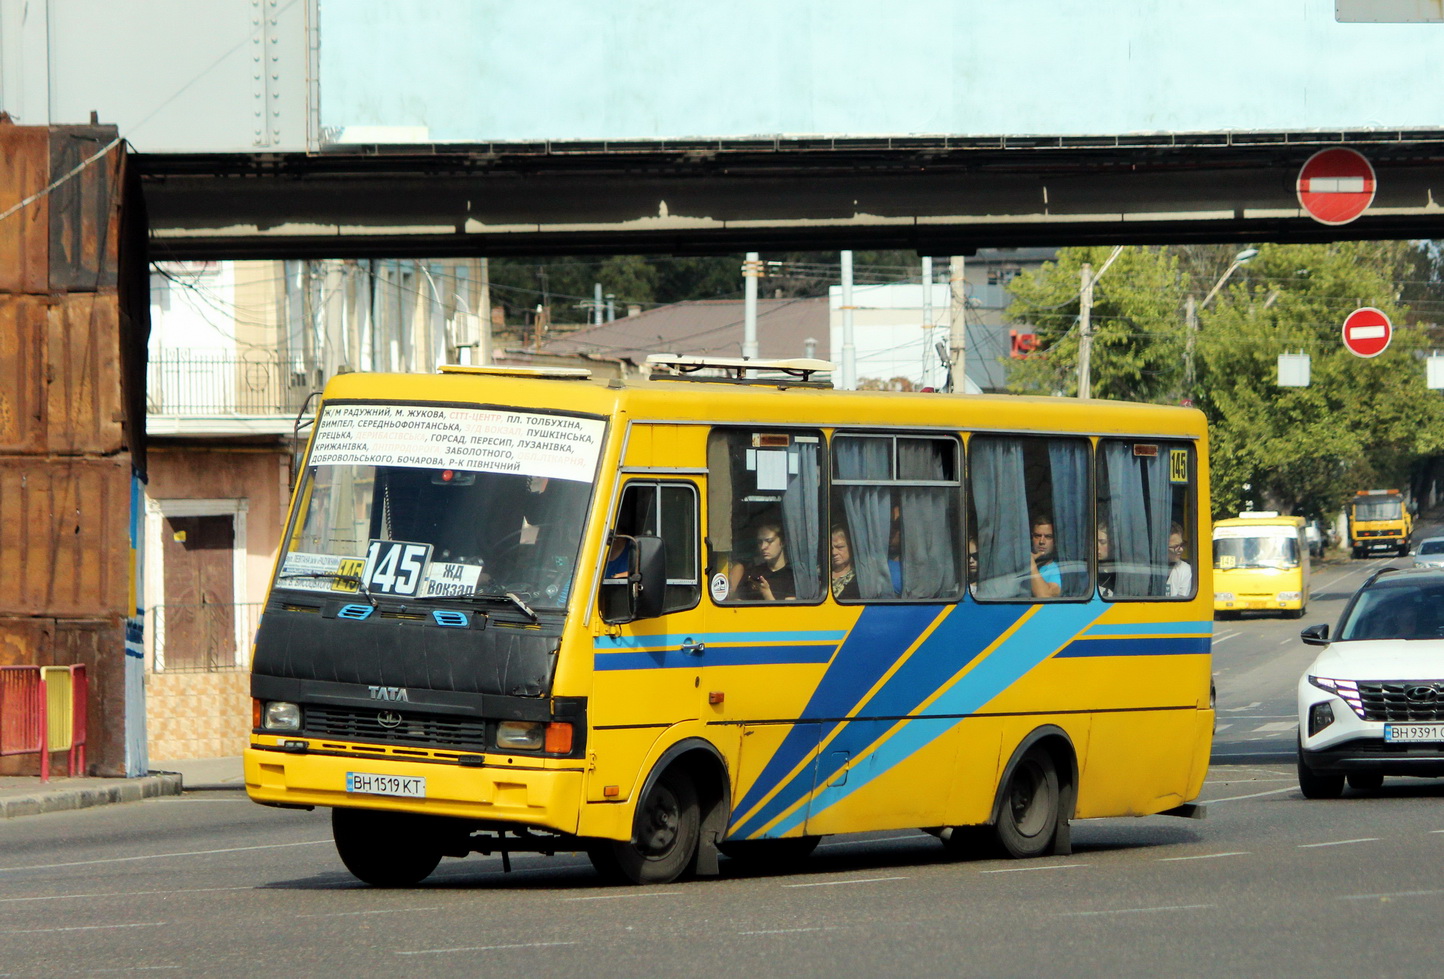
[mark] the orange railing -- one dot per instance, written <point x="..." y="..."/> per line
<point x="42" y="710"/>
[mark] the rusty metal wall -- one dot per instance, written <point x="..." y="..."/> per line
<point x="71" y="360"/>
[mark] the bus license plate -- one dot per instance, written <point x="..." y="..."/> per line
<point x="410" y="786"/>
<point x="1414" y="732"/>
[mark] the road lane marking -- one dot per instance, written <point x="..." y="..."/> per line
<point x="347" y="914"/>
<point x="836" y="883"/>
<point x="1221" y="727"/>
<point x="1385" y="897"/>
<point x="484" y="948"/>
<point x="787" y="931"/>
<point x="1285" y="642"/>
<point x="38" y="931"/>
<point x="1173" y="907"/>
<point x="1234" y="710"/>
<point x="619" y="897"/>
<point x="1020" y="870"/>
<point x="1205" y="856"/>
<point x="162" y="856"/>
<point x="1255" y="795"/>
<point x="1276" y="726"/>
<point x="167" y="893"/>
<point x="1366" y="839"/>
<point x="1219" y="639"/>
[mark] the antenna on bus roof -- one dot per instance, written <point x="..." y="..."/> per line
<point x="735" y="370"/>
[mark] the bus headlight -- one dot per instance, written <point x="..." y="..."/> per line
<point x="1290" y="596"/>
<point x="519" y="735"/>
<point x="1223" y="596"/>
<point x="279" y="715"/>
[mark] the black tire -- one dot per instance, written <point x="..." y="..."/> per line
<point x="664" y="839"/>
<point x="1316" y="786"/>
<point x="1365" y="781"/>
<point x="1029" y="814"/>
<point x="385" y="849"/>
<point x="775" y="855"/>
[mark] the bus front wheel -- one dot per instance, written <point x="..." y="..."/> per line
<point x="385" y="849"/>
<point x="1028" y="817"/>
<point x="664" y="836"/>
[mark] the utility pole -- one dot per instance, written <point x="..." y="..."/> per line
<point x="1085" y="332"/>
<point x="1190" y="317"/>
<point x="957" y="325"/>
<point x="849" y="349"/>
<point x="751" y="272"/>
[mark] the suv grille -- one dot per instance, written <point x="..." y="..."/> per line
<point x="366" y="725"/>
<point x="1415" y="700"/>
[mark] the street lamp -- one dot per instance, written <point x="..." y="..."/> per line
<point x="1190" y="313"/>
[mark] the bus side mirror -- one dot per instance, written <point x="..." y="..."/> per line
<point x="649" y="580"/>
<point x="1315" y="635"/>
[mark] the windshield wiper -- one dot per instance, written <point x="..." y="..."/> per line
<point x="525" y="608"/>
<point x="354" y="579"/>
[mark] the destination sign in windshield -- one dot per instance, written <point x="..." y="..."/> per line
<point x="465" y="439"/>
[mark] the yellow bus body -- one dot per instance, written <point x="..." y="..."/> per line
<point x="1283" y="587"/>
<point x="1379" y="520"/>
<point x="827" y="718"/>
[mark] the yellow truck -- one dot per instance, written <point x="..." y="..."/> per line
<point x="1260" y="563"/>
<point x="1379" y="520"/>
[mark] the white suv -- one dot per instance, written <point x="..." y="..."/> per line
<point x="1372" y="703"/>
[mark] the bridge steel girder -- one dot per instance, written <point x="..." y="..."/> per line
<point x="935" y="195"/>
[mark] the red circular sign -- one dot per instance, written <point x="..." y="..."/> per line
<point x="1367" y="332"/>
<point x="1336" y="185"/>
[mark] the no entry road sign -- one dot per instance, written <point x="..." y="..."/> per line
<point x="1336" y="185"/>
<point x="1367" y="332"/>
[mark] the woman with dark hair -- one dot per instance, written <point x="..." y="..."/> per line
<point x="770" y="579"/>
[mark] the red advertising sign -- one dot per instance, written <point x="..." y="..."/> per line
<point x="1367" y="332"/>
<point x="1336" y="185"/>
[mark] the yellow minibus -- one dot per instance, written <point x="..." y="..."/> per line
<point x="726" y="609"/>
<point x="1260" y="562"/>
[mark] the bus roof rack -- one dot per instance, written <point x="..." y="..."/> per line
<point x="498" y="370"/>
<point x="738" y="370"/>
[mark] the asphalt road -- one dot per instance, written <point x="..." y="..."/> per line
<point x="1269" y="883"/>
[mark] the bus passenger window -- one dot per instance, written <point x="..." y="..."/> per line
<point x="1031" y="502"/>
<point x="1146" y="504"/>
<point x="764" y="516"/>
<point x="895" y="499"/>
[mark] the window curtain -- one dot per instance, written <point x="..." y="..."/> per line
<point x="802" y="522"/>
<point x="1068" y="462"/>
<point x="1160" y="518"/>
<point x="1127" y="522"/>
<point x="867" y="511"/>
<point x="1000" y="497"/>
<point x="929" y="532"/>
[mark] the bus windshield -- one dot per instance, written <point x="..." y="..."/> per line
<point x="1256" y="552"/>
<point x="395" y="506"/>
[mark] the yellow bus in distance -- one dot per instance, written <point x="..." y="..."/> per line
<point x="728" y="610"/>
<point x="1260" y="562"/>
<point x="1379" y="520"/>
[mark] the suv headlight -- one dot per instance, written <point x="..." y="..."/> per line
<point x="280" y="715"/>
<point x="1345" y="690"/>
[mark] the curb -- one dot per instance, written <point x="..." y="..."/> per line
<point x="45" y="799"/>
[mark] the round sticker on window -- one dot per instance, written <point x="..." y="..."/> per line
<point x="720" y="587"/>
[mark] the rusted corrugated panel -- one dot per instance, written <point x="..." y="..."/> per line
<point x="100" y="645"/>
<point x="22" y="373"/>
<point x="64" y="535"/>
<point x="84" y="207"/>
<point x="24" y="235"/>
<point x="84" y="402"/>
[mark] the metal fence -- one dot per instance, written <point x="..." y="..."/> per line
<point x="196" y="382"/>
<point x="208" y="638"/>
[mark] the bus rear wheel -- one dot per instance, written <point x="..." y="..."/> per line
<point x="1028" y="816"/>
<point x="385" y="849"/>
<point x="664" y="839"/>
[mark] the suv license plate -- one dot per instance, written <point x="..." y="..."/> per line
<point x="1414" y="732"/>
<point x="410" y="786"/>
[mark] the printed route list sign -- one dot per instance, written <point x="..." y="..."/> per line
<point x="465" y="439"/>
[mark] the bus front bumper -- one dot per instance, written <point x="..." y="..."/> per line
<point x="502" y="789"/>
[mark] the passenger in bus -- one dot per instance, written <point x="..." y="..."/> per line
<point x="844" y="576"/>
<point x="1044" y="578"/>
<point x="894" y="551"/>
<point x="972" y="561"/>
<point x="770" y="579"/>
<point x="1106" y="574"/>
<point x="1180" y="572"/>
